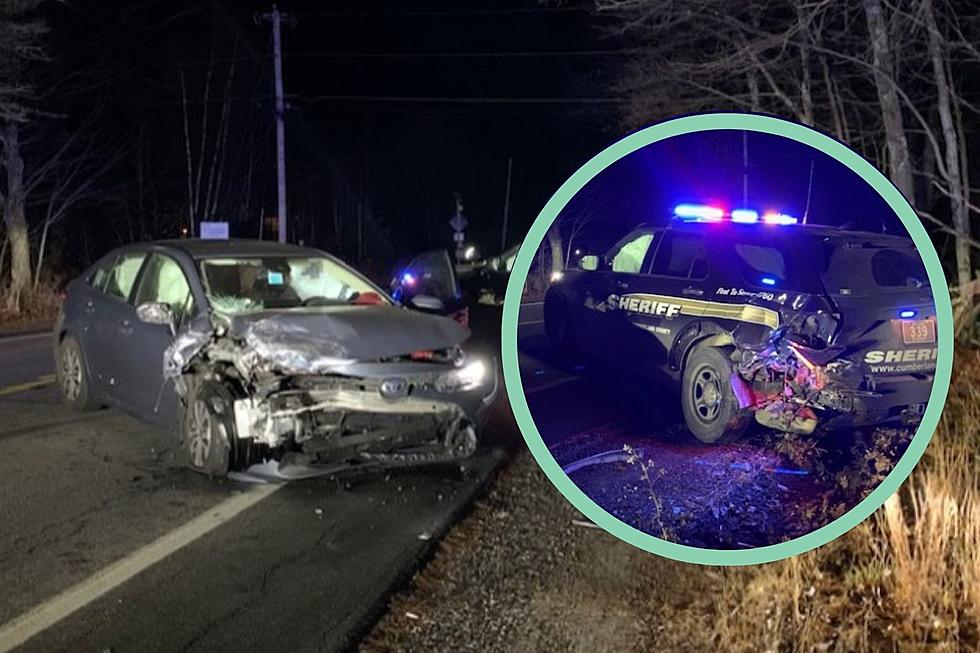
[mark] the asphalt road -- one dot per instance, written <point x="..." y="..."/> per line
<point x="108" y="544"/>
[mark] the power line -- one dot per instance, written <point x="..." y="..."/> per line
<point x="449" y="12"/>
<point x="459" y="100"/>
<point x="530" y="54"/>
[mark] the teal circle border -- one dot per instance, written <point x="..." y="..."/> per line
<point x="755" y="123"/>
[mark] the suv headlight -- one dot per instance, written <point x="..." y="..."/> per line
<point x="467" y="376"/>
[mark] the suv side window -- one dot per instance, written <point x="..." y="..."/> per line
<point x="628" y="255"/>
<point x="681" y="255"/>
<point x="119" y="282"/>
<point x="164" y="282"/>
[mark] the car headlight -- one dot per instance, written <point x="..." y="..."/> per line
<point x="467" y="376"/>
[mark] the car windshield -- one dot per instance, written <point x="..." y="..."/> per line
<point x="248" y="284"/>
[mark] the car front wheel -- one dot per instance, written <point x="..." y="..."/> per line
<point x="208" y="429"/>
<point x="710" y="407"/>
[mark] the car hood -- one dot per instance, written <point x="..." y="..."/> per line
<point x="324" y="339"/>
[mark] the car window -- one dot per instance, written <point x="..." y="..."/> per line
<point x="164" y="282"/>
<point x="630" y="255"/>
<point x="681" y="255"/>
<point x="100" y="274"/>
<point x="123" y="274"/>
<point x="244" y="285"/>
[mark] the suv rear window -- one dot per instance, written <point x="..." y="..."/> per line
<point x="854" y="268"/>
<point x="894" y="268"/>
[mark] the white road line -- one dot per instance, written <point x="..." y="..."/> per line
<point x="43" y="616"/>
<point x="551" y="384"/>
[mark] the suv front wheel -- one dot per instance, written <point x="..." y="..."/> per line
<point x="710" y="407"/>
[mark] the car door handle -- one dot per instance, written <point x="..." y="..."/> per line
<point x="693" y="291"/>
<point x="622" y="285"/>
<point x="125" y="328"/>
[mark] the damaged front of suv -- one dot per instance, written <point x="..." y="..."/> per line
<point x="855" y="343"/>
<point x="329" y="375"/>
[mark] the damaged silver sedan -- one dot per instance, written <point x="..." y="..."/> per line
<point x="259" y="352"/>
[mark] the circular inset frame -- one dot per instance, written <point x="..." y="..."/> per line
<point x="755" y="123"/>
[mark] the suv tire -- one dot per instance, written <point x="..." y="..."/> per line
<point x="558" y="326"/>
<point x="710" y="407"/>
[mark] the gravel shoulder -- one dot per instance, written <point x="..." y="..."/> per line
<point x="521" y="573"/>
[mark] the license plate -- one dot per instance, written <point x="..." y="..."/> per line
<point x="917" y="332"/>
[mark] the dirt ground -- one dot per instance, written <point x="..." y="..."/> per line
<point x="523" y="573"/>
<point x="766" y="488"/>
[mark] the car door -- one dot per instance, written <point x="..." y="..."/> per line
<point x="429" y="276"/>
<point x="110" y="312"/>
<point x="669" y="297"/>
<point x="141" y="345"/>
<point x="611" y="328"/>
<point x="82" y="309"/>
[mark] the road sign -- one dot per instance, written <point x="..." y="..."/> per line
<point x="214" y="230"/>
<point x="458" y="223"/>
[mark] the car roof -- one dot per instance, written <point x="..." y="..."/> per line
<point x="198" y="248"/>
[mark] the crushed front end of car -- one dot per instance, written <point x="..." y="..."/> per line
<point x="338" y="385"/>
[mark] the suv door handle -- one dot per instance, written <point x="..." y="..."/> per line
<point x="622" y="285"/>
<point x="690" y="290"/>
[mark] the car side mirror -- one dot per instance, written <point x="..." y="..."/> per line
<point x="428" y="303"/>
<point x="589" y="262"/>
<point x="157" y="313"/>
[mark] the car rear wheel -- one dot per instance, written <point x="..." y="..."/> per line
<point x="710" y="407"/>
<point x="72" y="376"/>
<point x="208" y="429"/>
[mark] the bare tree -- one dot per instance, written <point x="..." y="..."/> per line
<point x="20" y="48"/>
<point x="885" y="77"/>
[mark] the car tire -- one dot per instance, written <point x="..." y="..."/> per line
<point x="558" y="327"/>
<point x="72" y="375"/>
<point x="710" y="407"/>
<point x="207" y="429"/>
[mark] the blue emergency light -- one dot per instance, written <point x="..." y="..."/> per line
<point x="769" y="281"/>
<point x="698" y="212"/>
<point x="906" y="313"/>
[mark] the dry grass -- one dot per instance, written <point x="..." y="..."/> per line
<point x="906" y="580"/>
<point x="40" y="308"/>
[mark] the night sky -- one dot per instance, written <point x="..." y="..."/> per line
<point x="343" y="63"/>
<point x="707" y="168"/>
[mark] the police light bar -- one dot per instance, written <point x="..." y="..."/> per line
<point x="698" y="212"/>
<point x="778" y="218"/>
<point x="707" y="213"/>
<point x="745" y="216"/>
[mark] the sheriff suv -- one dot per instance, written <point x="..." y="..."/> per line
<point x="757" y="318"/>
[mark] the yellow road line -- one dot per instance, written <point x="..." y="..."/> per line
<point x="39" y="382"/>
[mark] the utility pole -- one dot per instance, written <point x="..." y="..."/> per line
<point x="276" y="18"/>
<point x="503" y="230"/>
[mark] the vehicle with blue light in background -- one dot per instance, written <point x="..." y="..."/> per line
<point x="756" y="317"/>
